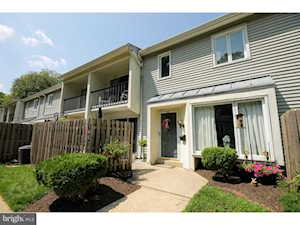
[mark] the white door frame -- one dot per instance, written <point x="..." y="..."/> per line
<point x="177" y="133"/>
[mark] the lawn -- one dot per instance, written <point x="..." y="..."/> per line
<point x="19" y="187"/>
<point x="213" y="199"/>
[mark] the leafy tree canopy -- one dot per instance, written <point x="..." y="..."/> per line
<point x="33" y="82"/>
<point x="2" y="96"/>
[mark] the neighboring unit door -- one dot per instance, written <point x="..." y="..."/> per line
<point x="168" y="135"/>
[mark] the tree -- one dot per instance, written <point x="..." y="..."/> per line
<point x="33" y="82"/>
<point x="2" y="96"/>
<point x="5" y="99"/>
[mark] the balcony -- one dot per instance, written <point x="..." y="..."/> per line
<point x="114" y="95"/>
<point x="75" y="104"/>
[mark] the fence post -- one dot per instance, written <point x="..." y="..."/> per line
<point x="290" y="123"/>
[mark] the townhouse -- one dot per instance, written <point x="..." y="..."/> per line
<point x="223" y="83"/>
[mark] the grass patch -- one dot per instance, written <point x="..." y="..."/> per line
<point x="213" y="199"/>
<point x="18" y="186"/>
<point x="290" y="201"/>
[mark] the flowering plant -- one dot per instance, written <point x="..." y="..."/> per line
<point x="261" y="169"/>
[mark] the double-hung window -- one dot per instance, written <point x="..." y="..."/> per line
<point x="164" y="65"/>
<point x="50" y="99"/>
<point x="36" y="103"/>
<point x="231" y="46"/>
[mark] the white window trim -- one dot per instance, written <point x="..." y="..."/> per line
<point x="48" y="97"/>
<point x="36" y="105"/>
<point x="226" y="33"/>
<point x="268" y="129"/>
<point x="159" y="65"/>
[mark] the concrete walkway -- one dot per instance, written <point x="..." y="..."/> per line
<point x="4" y="208"/>
<point x="162" y="190"/>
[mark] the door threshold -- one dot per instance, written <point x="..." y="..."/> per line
<point x="169" y="158"/>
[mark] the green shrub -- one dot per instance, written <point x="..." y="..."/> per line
<point x="115" y="149"/>
<point x="291" y="202"/>
<point x="142" y="142"/>
<point x="291" y="185"/>
<point x="71" y="175"/>
<point x="218" y="158"/>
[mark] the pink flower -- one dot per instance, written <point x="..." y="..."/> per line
<point x="248" y="170"/>
<point x="269" y="167"/>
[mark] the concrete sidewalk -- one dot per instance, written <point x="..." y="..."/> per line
<point x="163" y="190"/>
<point x="4" y="208"/>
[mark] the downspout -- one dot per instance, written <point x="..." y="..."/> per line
<point x="140" y="62"/>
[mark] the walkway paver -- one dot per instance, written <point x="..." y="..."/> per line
<point x="4" y="208"/>
<point x="162" y="190"/>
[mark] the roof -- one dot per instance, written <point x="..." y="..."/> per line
<point x="200" y="30"/>
<point x="217" y="89"/>
<point x="43" y="92"/>
<point x="100" y="60"/>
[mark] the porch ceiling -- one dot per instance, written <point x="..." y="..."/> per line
<point x="217" y="89"/>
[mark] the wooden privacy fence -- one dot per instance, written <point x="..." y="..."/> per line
<point x="54" y="138"/>
<point x="13" y="136"/>
<point x="290" y="123"/>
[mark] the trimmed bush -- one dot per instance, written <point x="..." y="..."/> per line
<point x="71" y="175"/>
<point x="218" y="158"/>
<point x="291" y="202"/>
<point x="115" y="149"/>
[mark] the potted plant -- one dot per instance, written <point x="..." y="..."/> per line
<point x="143" y="144"/>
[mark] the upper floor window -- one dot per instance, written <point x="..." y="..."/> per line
<point x="164" y="65"/>
<point x="35" y="103"/>
<point x="50" y="99"/>
<point x="230" y="46"/>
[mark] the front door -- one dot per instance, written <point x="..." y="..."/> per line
<point x="168" y="135"/>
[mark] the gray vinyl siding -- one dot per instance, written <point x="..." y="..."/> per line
<point x="44" y="110"/>
<point x="54" y="108"/>
<point x="29" y="111"/>
<point x="275" y="50"/>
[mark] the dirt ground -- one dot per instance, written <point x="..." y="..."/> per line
<point x="265" y="195"/>
<point x="109" y="190"/>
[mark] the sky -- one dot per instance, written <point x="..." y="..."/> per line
<point x="64" y="41"/>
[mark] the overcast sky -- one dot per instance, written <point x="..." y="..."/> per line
<point x="61" y="42"/>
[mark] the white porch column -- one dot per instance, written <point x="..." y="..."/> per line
<point x="18" y="116"/>
<point x="88" y="97"/>
<point x="2" y="114"/>
<point x="7" y="115"/>
<point x="61" y="100"/>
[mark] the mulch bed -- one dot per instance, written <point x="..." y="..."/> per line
<point x="109" y="190"/>
<point x="264" y="195"/>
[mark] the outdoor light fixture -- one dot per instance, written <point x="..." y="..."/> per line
<point x="180" y="124"/>
<point x="239" y="120"/>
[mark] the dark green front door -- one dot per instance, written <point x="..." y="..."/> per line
<point x="168" y="135"/>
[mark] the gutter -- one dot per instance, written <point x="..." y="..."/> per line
<point x="199" y="30"/>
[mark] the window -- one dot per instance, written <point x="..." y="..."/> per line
<point x="212" y="123"/>
<point x="50" y="99"/>
<point x="164" y="65"/>
<point x="231" y="46"/>
<point x="253" y="139"/>
<point x="35" y="103"/>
